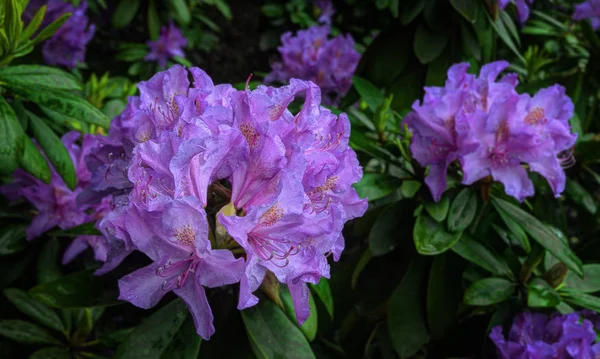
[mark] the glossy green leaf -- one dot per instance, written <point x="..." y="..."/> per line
<point x="581" y="196"/>
<point x="438" y="210"/>
<point x="387" y="231"/>
<point x="272" y="335"/>
<point x="125" y="12"/>
<point x="406" y="312"/>
<point x="309" y="327"/>
<point x="444" y="294"/>
<point x="476" y="252"/>
<point x="516" y="235"/>
<point x="462" y="211"/>
<point x="155" y="334"/>
<point x="431" y="237"/>
<point x="77" y="290"/>
<point x="368" y="92"/>
<point x="36" y="76"/>
<point x="51" y="29"/>
<point x="489" y="291"/>
<point x="467" y="8"/>
<point x="64" y="103"/>
<point x="51" y="353"/>
<point x="541" y="295"/>
<point x="54" y="149"/>
<point x="323" y="292"/>
<point x="428" y="45"/>
<point x="25" y="332"/>
<point x="590" y="283"/>
<point x="12" y="238"/>
<point x="35" y="23"/>
<point x="33" y="162"/>
<point x="360" y="266"/>
<point x="542" y="234"/>
<point x="502" y="32"/>
<point x="411" y="9"/>
<point x="34" y="309"/>
<point x="185" y="344"/>
<point x="12" y="139"/>
<point x="376" y="185"/>
<point x="582" y="299"/>
<point x="181" y="11"/>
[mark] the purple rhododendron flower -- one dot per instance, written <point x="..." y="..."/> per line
<point x="491" y="130"/>
<point x="326" y="10"/>
<point x="310" y="55"/>
<point x="68" y="45"/>
<point x="282" y="182"/>
<point x="588" y="10"/>
<point x="169" y="44"/>
<point x="57" y="204"/>
<point x="535" y="335"/>
<point x="522" y="7"/>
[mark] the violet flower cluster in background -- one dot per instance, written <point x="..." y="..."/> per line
<point x="281" y="184"/>
<point x="67" y="46"/>
<point x="169" y="44"/>
<point x="57" y="204"/>
<point x="310" y="55"/>
<point x="536" y="335"/>
<point x="492" y="131"/>
<point x="521" y="5"/>
<point x="588" y="10"/>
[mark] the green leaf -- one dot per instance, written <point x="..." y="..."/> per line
<point x="34" y="163"/>
<point x="368" y="92"/>
<point x="12" y="139"/>
<point x="581" y="196"/>
<point x="64" y="103"/>
<point x="223" y="9"/>
<point x="430" y="236"/>
<point x="582" y="299"/>
<point x="517" y="231"/>
<point x="151" y="338"/>
<point x="444" y="294"/>
<point x="412" y="9"/>
<point x="185" y="344"/>
<point x="489" y="291"/>
<point x="502" y="32"/>
<point x="324" y="293"/>
<point x="462" y="211"/>
<point x="125" y="12"/>
<point x="406" y="318"/>
<point x="510" y="26"/>
<point x="427" y="45"/>
<point x="88" y="228"/>
<point x="309" y="327"/>
<point x="27" y="333"/>
<point x="438" y="210"/>
<point x="542" y="234"/>
<point x="77" y="290"/>
<point x="387" y="231"/>
<point x="54" y="149"/>
<point x="153" y="20"/>
<point x="51" y="29"/>
<point x="541" y="295"/>
<point x="48" y="268"/>
<point x="590" y="283"/>
<point x="474" y="251"/>
<point x="467" y="8"/>
<point x="376" y="185"/>
<point x="12" y="238"/>
<point x="272" y="335"/>
<point x="36" y="76"/>
<point x="34" y="309"/>
<point x="35" y="23"/>
<point x="181" y="11"/>
<point x="51" y="353"/>
<point x="360" y="266"/>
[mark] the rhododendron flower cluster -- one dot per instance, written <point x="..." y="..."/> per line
<point x="67" y="46"/>
<point x="522" y="7"/>
<point x="491" y="130"/>
<point x="199" y="172"/>
<point x="536" y="335"/>
<point x="169" y="44"/>
<point x="588" y="10"/>
<point x="57" y="204"/>
<point x="310" y="55"/>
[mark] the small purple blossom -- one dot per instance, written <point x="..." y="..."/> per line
<point x="57" y="204"/>
<point x="326" y="11"/>
<point x="491" y="130"/>
<point x="67" y="46"/>
<point x="535" y="335"/>
<point x="522" y="7"/>
<point x="310" y="55"/>
<point x="169" y="44"/>
<point x="588" y="10"/>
